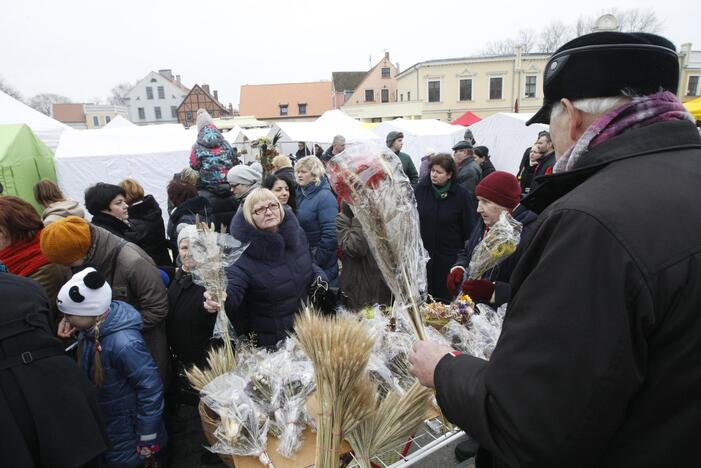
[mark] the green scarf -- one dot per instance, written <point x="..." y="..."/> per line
<point x="441" y="192"/>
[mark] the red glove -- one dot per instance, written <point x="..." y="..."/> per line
<point x="147" y="451"/>
<point x="479" y="290"/>
<point x="455" y="279"/>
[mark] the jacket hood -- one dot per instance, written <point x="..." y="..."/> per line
<point x="64" y="208"/>
<point x="267" y="245"/>
<point x="147" y="209"/>
<point x="210" y="137"/>
<point x="122" y="316"/>
<point x="219" y="190"/>
<point x="311" y="188"/>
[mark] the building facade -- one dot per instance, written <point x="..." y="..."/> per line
<point x="72" y="114"/>
<point x="287" y="101"/>
<point x="155" y="98"/>
<point x="199" y="97"/>
<point x="344" y="85"/>
<point x="87" y="116"/>
<point x="690" y="78"/>
<point x="378" y="87"/>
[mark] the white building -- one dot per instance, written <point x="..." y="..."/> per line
<point x="155" y="98"/>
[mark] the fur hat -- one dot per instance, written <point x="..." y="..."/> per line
<point x="501" y="188"/>
<point x="245" y="175"/>
<point x="86" y="294"/>
<point x="66" y="241"/>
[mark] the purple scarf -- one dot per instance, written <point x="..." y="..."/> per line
<point x="640" y="112"/>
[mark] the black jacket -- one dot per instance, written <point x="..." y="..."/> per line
<point x="545" y="166"/>
<point x="525" y="171"/>
<point x="47" y="405"/>
<point x="487" y="168"/>
<point x="115" y="225"/>
<point x="598" y="359"/>
<point x="446" y="225"/>
<point x="146" y="219"/>
<point x="501" y="273"/>
<point x="223" y="203"/>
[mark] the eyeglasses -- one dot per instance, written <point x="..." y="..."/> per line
<point x="273" y="207"/>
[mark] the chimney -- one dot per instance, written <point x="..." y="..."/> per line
<point x="216" y="95"/>
<point x="206" y="88"/>
<point x="167" y="72"/>
<point x="398" y="69"/>
<point x="386" y="55"/>
<point x="177" y="78"/>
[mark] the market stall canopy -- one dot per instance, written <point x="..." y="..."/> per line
<point x="467" y="119"/>
<point x="44" y="127"/>
<point x="319" y="132"/>
<point x="119" y="122"/>
<point x="422" y="136"/>
<point x="241" y="139"/>
<point x="694" y="108"/>
<point x="24" y="161"/>
<point x="150" y="154"/>
<point x="507" y="137"/>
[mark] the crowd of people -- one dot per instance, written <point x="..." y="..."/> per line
<point x="598" y="310"/>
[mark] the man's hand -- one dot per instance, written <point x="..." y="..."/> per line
<point x="65" y="329"/>
<point x="424" y="359"/>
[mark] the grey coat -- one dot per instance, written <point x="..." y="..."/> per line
<point x="469" y="174"/>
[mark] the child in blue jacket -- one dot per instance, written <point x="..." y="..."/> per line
<point x="114" y="355"/>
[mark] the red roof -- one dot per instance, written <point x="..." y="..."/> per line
<point x="467" y="119"/>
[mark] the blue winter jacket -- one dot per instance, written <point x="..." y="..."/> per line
<point x="316" y="210"/>
<point x="270" y="281"/>
<point x="131" y="396"/>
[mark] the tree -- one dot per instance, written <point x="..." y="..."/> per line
<point x="637" y="20"/>
<point x="503" y="47"/>
<point x="42" y="102"/>
<point x="119" y="94"/>
<point x="553" y="36"/>
<point x="527" y="39"/>
<point x="10" y="90"/>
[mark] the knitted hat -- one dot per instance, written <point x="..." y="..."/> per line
<point x="86" y="294"/>
<point x="245" y="175"/>
<point x="66" y="240"/>
<point x="392" y="137"/>
<point x="186" y="231"/>
<point x="501" y="188"/>
<point x="203" y="119"/>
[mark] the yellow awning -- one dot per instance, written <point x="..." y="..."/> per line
<point x="694" y="107"/>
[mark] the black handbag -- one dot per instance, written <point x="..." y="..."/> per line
<point x="326" y="298"/>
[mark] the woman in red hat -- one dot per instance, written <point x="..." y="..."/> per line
<point x="498" y="192"/>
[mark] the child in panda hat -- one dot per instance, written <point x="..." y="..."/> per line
<point x="114" y="355"/>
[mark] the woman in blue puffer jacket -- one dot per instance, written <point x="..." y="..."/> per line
<point x="269" y="283"/>
<point x="114" y="355"/>
<point x="317" y="209"/>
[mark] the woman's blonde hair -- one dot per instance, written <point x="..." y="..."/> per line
<point x="134" y="190"/>
<point x="98" y="375"/>
<point x="313" y="165"/>
<point x="256" y="196"/>
<point x="189" y="176"/>
<point x="281" y="161"/>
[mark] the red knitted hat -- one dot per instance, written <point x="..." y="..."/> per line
<point x="501" y="188"/>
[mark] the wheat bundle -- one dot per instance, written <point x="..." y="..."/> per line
<point x="219" y="361"/>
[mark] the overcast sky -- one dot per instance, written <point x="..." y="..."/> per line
<point x="81" y="49"/>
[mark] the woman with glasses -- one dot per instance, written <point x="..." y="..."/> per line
<point x="269" y="283"/>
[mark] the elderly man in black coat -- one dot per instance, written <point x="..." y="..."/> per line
<point x="598" y="360"/>
<point x="48" y="409"/>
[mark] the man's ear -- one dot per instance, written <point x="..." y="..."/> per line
<point x="576" y="119"/>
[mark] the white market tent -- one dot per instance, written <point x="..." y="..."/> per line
<point x="149" y="154"/>
<point x="506" y="136"/>
<point x="47" y="129"/>
<point x="242" y="138"/>
<point x="119" y="122"/>
<point x="420" y="136"/>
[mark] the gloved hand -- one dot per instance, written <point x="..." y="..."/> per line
<point x="146" y="450"/>
<point x="479" y="290"/>
<point x="455" y="278"/>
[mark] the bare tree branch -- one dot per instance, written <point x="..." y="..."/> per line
<point x="119" y="94"/>
<point x="42" y="102"/>
<point x="553" y="36"/>
<point x="10" y="90"/>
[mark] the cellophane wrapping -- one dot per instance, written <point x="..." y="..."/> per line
<point x="497" y="245"/>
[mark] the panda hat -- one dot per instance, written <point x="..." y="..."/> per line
<point x="86" y="294"/>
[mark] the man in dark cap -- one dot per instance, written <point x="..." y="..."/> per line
<point x="395" y="142"/>
<point x="598" y="359"/>
<point x="469" y="173"/>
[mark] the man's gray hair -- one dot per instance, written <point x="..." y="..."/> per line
<point x="338" y="139"/>
<point x="595" y="106"/>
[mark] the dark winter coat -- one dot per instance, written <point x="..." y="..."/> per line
<point x="268" y="284"/>
<point x="525" y="171"/>
<point x="487" y="168"/>
<point x="316" y="210"/>
<point x="115" y="225"/>
<point x="135" y="280"/>
<point x="187" y="213"/>
<point x="48" y="405"/>
<point x="545" y="166"/>
<point x="189" y="325"/>
<point x="501" y="273"/>
<point x="212" y="157"/>
<point x="361" y="279"/>
<point x="409" y="168"/>
<point x="146" y="219"/>
<point x="446" y="225"/>
<point x="598" y="359"/>
<point x="223" y="204"/>
<point x="468" y="174"/>
<point x="131" y="395"/>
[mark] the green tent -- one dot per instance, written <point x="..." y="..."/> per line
<point x="24" y="161"/>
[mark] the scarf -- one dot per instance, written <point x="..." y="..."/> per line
<point x="25" y="257"/>
<point x="441" y="192"/>
<point x="640" y="112"/>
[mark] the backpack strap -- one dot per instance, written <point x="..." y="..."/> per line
<point x="28" y="357"/>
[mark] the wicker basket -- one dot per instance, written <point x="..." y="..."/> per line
<point x="209" y="424"/>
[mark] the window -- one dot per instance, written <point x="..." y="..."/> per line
<point x="434" y="91"/>
<point x="142" y="114"/>
<point x="96" y="121"/>
<point x="369" y="95"/>
<point x="188" y="116"/>
<point x="495" y="87"/>
<point x="302" y="108"/>
<point x="408" y="95"/>
<point x="401" y="97"/>
<point x="157" y="111"/>
<point x="692" y="88"/>
<point x="174" y="112"/>
<point x="466" y="89"/>
<point x="153" y="80"/>
<point x="384" y="94"/>
<point x="149" y="92"/>
<point x="283" y="109"/>
<point x="385" y="72"/>
<point x="530" y="85"/>
<point x="161" y="92"/>
<point x="108" y="119"/>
